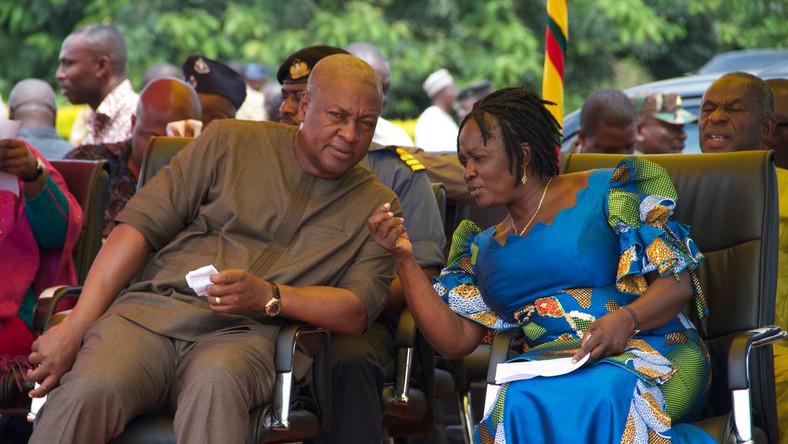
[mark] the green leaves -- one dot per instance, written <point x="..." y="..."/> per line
<point x="612" y="43"/>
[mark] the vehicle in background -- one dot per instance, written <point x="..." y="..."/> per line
<point x="692" y="87"/>
<point x="748" y="60"/>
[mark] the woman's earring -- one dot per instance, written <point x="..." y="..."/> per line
<point x="524" y="179"/>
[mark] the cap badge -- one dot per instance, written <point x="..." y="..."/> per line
<point x="201" y="67"/>
<point x="298" y="69"/>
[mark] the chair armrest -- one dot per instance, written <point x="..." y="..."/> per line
<point x="739" y="374"/>
<point x="407" y="332"/>
<point x="739" y="353"/>
<point x="48" y="302"/>
<point x="286" y="343"/>
<point x="499" y="352"/>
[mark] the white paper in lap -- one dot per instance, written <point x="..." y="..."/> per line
<point x="515" y="371"/>
<point x="512" y="371"/>
<point x="35" y="406"/>
<point x="200" y="279"/>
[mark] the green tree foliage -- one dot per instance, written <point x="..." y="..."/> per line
<point x="612" y="43"/>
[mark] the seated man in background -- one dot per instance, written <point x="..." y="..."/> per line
<point x="661" y="120"/>
<point x="359" y="364"/>
<point x="608" y="124"/>
<point x="161" y="70"/>
<point x="161" y="102"/>
<point x="468" y="96"/>
<point x="736" y="114"/>
<point x="436" y="130"/>
<point x="253" y="107"/>
<point x="386" y="133"/>
<point x="92" y="71"/>
<point x="222" y="91"/>
<point x="282" y="213"/>
<point x="293" y="75"/>
<point x="32" y="103"/>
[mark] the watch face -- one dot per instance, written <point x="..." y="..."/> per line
<point x="272" y="307"/>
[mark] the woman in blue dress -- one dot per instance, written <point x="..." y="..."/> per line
<point x="584" y="263"/>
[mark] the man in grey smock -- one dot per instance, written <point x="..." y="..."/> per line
<point x="278" y="211"/>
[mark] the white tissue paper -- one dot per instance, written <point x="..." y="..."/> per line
<point x="200" y="279"/>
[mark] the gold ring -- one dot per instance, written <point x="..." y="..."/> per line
<point x="217" y="300"/>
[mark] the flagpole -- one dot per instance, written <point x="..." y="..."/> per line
<point x="556" y="35"/>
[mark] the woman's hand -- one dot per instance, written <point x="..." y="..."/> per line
<point x="16" y="158"/>
<point x="607" y="336"/>
<point x="389" y="232"/>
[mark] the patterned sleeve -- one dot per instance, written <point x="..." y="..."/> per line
<point x="640" y="205"/>
<point x="457" y="285"/>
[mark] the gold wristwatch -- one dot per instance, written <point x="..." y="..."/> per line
<point x="273" y="306"/>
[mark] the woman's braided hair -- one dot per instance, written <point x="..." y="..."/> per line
<point x="522" y="117"/>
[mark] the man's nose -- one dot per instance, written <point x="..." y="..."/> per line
<point x="349" y="132"/>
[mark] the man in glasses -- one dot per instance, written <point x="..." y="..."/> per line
<point x="293" y="74"/>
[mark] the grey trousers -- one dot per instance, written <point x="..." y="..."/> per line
<point x="359" y="365"/>
<point x="123" y="370"/>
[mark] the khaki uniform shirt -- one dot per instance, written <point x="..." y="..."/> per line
<point x="446" y="169"/>
<point x="236" y="198"/>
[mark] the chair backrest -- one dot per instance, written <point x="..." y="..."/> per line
<point x="730" y="201"/>
<point x="158" y="154"/>
<point x="440" y="196"/>
<point x="87" y="181"/>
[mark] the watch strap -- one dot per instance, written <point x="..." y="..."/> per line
<point x="39" y="171"/>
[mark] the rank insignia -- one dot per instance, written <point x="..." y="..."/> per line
<point x="298" y="69"/>
<point x="201" y="67"/>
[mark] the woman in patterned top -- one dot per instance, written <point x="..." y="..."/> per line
<point x="585" y="263"/>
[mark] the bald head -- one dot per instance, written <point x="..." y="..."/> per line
<point x="779" y="138"/>
<point x="169" y="96"/>
<point x="370" y="54"/>
<point x="161" y="102"/>
<point x="32" y="102"/>
<point x="346" y="68"/>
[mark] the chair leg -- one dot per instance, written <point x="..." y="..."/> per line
<point x="466" y="416"/>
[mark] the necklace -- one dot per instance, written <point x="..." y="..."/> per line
<point x="538" y="207"/>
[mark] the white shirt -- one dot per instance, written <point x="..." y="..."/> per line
<point x="253" y="107"/>
<point x="111" y="121"/>
<point x="436" y="131"/>
<point x="387" y="133"/>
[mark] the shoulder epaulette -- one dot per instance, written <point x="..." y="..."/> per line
<point x="410" y="161"/>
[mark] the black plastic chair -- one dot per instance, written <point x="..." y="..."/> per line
<point x="730" y="201"/>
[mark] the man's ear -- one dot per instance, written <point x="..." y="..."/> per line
<point x="103" y="66"/>
<point x="303" y="106"/>
<point x="581" y="138"/>
<point x="768" y="129"/>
